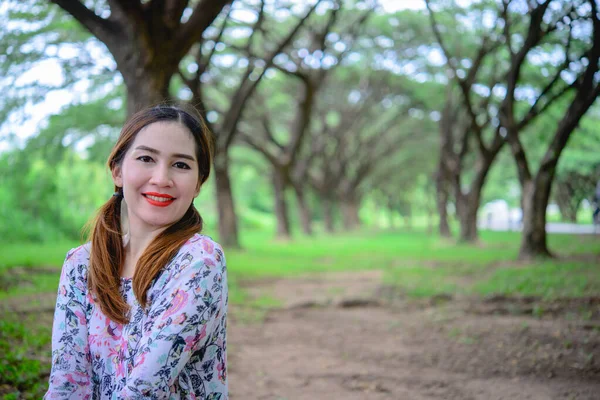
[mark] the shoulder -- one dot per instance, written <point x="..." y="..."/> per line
<point x="199" y="261"/>
<point x="76" y="264"/>
<point x="80" y="253"/>
<point x="203" y="248"/>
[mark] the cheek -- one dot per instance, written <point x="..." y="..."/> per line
<point x="190" y="184"/>
<point x="133" y="174"/>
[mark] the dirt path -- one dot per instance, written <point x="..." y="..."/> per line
<point x="335" y="339"/>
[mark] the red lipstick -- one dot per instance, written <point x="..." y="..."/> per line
<point x="159" y="200"/>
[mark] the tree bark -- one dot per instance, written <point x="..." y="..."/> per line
<point x="281" y="209"/>
<point x="567" y="202"/>
<point x="467" y="204"/>
<point x="442" y="199"/>
<point x="534" y="202"/>
<point x="468" y="217"/>
<point x="144" y="87"/>
<point x="304" y="212"/>
<point x="228" y="224"/>
<point x="328" y="215"/>
<point x="350" y="218"/>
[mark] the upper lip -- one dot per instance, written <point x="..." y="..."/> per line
<point x="163" y="195"/>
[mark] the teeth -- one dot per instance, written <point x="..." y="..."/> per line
<point x="161" y="199"/>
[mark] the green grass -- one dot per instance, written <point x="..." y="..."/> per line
<point x="545" y="279"/>
<point x="21" y="368"/>
<point x="417" y="264"/>
<point x="420" y="264"/>
<point x="34" y="254"/>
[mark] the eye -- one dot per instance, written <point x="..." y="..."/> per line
<point x="145" y="159"/>
<point x="181" y="165"/>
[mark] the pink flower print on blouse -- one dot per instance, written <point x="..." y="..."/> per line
<point x="191" y="341"/>
<point x="180" y="319"/>
<point x="180" y="299"/>
<point x="80" y="379"/>
<point x="116" y="356"/>
<point x="164" y="345"/>
<point x="222" y="371"/>
<point x="81" y="316"/>
<point x="208" y="246"/>
<point x="209" y="262"/>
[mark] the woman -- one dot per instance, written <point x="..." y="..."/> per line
<point x="141" y="309"/>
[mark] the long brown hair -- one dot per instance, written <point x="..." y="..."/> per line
<point x="107" y="255"/>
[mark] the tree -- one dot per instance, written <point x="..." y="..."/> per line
<point x="582" y="63"/>
<point x="207" y="83"/>
<point x="459" y="131"/>
<point x="515" y="49"/>
<point x="147" y="39"/>
<point x="578" y="170"/>
<point x="365" y="136"/>
<point x="310" y="65"/>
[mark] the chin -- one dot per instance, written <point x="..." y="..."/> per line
<point x="160" y="223"/>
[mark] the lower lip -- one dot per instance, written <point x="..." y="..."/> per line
<point x="159" y="203"/>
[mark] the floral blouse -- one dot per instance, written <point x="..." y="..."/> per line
<point x="175" y="348"/>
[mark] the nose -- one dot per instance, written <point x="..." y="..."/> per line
<point x="161" y="176"/>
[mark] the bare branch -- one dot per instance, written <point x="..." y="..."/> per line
<point x="202" y="17"/>
<point x="256" y="145"/>
<point x="266" y="123"/>
<point x="507" y="33"/>
<point x="203" y="64"/>
<point x="246" y="87"/>
<point x="103" y="29"/>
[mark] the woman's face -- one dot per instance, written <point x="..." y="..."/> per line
<point x="159" y="176"/>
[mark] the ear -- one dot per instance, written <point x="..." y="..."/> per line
<point x="198" y="186"/>
<point x="117" y="176"/>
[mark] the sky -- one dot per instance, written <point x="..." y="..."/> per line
<point x="50" y="73"/>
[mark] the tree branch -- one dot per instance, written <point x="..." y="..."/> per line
<point x="103" y="29"/>
<point x="202" y="17"/>
<point x="256" y="145"/>
<point x="246" y="88"/>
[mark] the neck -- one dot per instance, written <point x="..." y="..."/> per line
<point x="138" y="242"/>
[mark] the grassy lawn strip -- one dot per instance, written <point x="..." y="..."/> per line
<point x="418" y="264"/>
<point x="548" y="280"/>
<point x="421" y="264"/>
<point x="25" y="364"/>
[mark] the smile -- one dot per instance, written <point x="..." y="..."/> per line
<point x="158" y="199"/>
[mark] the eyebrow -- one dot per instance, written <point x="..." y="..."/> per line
<point x="176" y="155"/>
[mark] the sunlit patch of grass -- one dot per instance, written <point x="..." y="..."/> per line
<point x="33" y="254"/>
<point x="549" y="279"/>
<point x="419" y="281"/>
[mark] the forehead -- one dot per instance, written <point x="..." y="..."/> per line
<point x="167" y="137"/>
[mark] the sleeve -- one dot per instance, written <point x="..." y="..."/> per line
<point x="181" y="318"/>
<point x="70" y="377"/>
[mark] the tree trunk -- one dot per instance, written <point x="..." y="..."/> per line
<point x="467" y="204"/>
<point x="305" y="218"/>
<point x="144" y="87"/>
<point x="391" y="212"/>
<point x="536" y="193"/>
<point x="350" y="216"/>
<point x="228" y="226"/>
<point x="328" y="215"/>
<point x="281" y="211"/>
<point x="391" y="218"/>
<point x="567" y="199"/>
<point x="407" y="215"/>
<point x="568" y="211"/>
<point x="442" y="199"/>
<point x="468" y="217"/>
